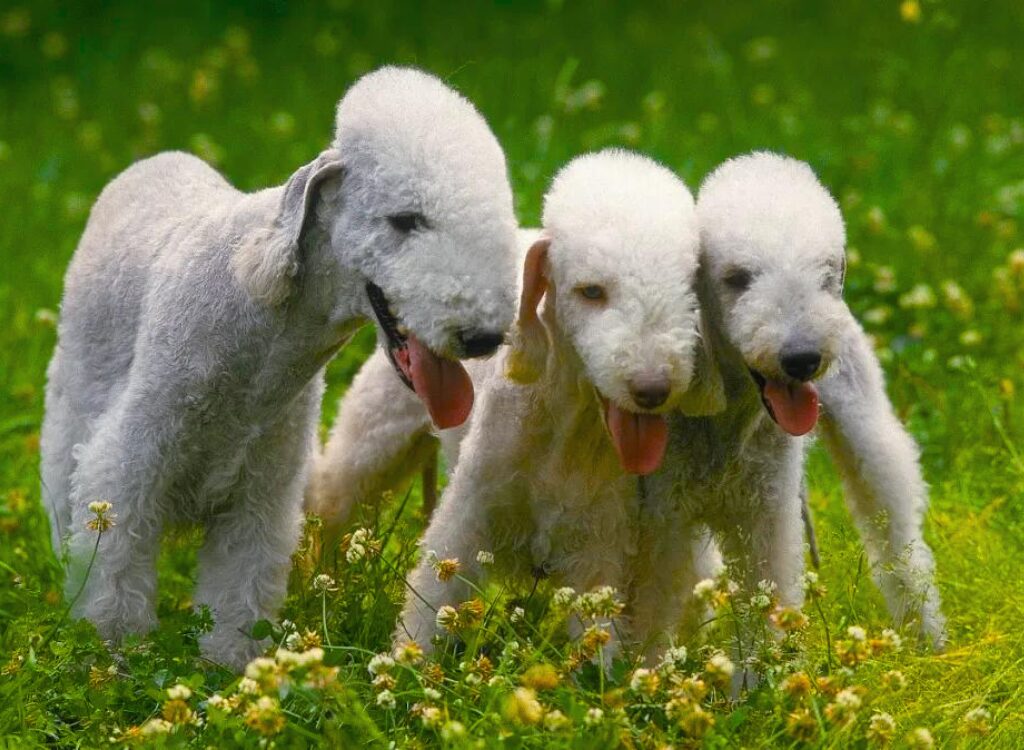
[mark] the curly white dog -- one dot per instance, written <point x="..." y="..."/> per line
<point x="197" y="319"/>
<point x="772" y="273"/>
<point x="574" y="408"/>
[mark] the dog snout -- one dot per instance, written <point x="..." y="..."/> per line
<point x="649" y="391"/>
<point x="476" y="343"/>
<point x="800" y="364"/>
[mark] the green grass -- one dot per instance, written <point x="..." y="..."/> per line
<point x="916" y="125"/>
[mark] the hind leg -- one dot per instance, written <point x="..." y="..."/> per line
<point x="380" y="439"/>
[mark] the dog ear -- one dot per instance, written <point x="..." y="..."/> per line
<point x="267" y="259"/>
<point x="706" y="394"/>
<point x="528" y="347"/>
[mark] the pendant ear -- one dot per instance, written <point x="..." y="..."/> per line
<point x="268" y="258"/>
<point x="529" y="341"/>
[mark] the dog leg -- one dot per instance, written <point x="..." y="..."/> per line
<point x="879" y="465"/>
<point x="246" y="556"/>
<point x="115" y="581"/>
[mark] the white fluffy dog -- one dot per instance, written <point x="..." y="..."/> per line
<point x="197" y="319"/>
<point x="574" y="408"/>
<point x="771" y="281"/>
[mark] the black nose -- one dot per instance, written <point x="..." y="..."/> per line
<point x="649" y="392"/>
<point x="801" y="365"/>
<point x="474" y="343"/>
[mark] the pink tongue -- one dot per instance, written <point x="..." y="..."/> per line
<point x="639" y="439"/>
<point x="794" y="405"/>
<point x="442" y="384"/>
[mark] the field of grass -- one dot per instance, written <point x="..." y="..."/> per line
<point x="912" y="113"/>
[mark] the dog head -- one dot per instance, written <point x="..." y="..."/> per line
<point x="414" y="200"/>
<point x="773" y="266"/>
<point x="617" y="260"/>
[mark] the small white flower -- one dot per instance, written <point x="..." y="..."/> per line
<point x="704" y="589"/>
<point x="99" y="507"/>
<point x="430" y="716"/>
<point x="323" y="583"/>
<point x="355" y="553"/>
<point x="563" y="597"/>
<point x="484" y="557"/>
<point x="593" y="716"/>
<point x="431" y="694"/>
<point x="292" y="641"/>
<point x="248" y="686"/>
<point x="892" y="638"/>
<point x="857" y="633"/>
<point x="259" y="667"/>
<point x="721" y="664"/>
<point x="848" y="699"/>
<point x="215" y="701"/>
<point x="380" y="664"/>
<point x="179" y="692"/>
<point x="517" y="614"/>
<point x="156" y="726"/>
<point x="386" y="700"/>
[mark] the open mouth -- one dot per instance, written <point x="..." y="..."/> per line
<point x="792" y="404"/>
<point x="442" y="384"/>
<point x="640" y="439"/>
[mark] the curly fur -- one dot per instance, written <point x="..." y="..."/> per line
<point x="197" y="319"/>
<point x="737" y="472"/>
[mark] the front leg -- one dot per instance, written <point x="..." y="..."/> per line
<point x="880" y="468"/>
<point x="457" y="531"/>
<point x="114" y="575"/>
<point x="246" y="556"/>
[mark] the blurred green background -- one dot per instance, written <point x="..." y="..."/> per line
<point x="911" y="112"/>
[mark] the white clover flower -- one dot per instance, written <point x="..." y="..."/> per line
<point x="431" y="694"/>
<point x="99" y="507"/>
<point x="216" y="701"/>
<point x="292" y="641"/>
<point x="892" y="639"/>
<point x="259" y="667"/>
<point x="704" y="589"/>
<point x="386" y="700"/>
<point x="179" y="692"/>
<point x="593" y="716"/>
<point x="361" y="536"/>
<point x="355" y="553"/>
<point x="447" y="617"/>
<point x="248" y="686"/>
<point x="720" y="664"/>
<point x="517" y="614"/>
<point x="380" y="664"/>
<point x="473" y="678"/>
<point x="324" y="583"/>
<point x="848" y="699"/>
<point x="156" y="726"/>
<point x="767" y="587"/>
<point x="484" y="557"/>
<point x="857" y="633"/>
<point x="760" y="601"/>
<point x="563" y="598"/>
<point x="555" y="721"/>
<point x="430" y="716"/>
<point x="671" y="659"/>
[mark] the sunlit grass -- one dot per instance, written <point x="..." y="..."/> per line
<point x="910" y="112"/>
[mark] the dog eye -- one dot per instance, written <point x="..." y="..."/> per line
<point x="738" y="279"/>
<point x="409" y="221"/>
<point x="592" y="292"/>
